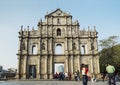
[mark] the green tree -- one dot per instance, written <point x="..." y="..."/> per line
<point x="110" y="52"/>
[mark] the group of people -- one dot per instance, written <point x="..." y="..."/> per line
<point x="67" y="76"/>
<point x="85" y="75"/>
<point x="62" y="76"/>
<point x="112" y="76"/>
<point x="77" y="75"/>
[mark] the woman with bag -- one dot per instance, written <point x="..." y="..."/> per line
<point x="84" y="74"/>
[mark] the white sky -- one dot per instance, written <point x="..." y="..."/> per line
<point x="104" y="14"/>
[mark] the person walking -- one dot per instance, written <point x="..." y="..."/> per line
<point x="66" y="75"/>
<point x="111" y="74"/>
<point x="103" y="76"/>
<point x="84" y="74"/>
<point x="69" y="76"/>
<point x="78" y="75"/>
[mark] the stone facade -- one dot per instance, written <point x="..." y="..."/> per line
<point x="37" y="52"/>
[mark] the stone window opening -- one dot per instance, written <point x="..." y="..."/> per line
<point x="58" y="32"/>
<point x="34" y="49"/>
<point x="58" y="49"/>
<point x="83" y="49"/>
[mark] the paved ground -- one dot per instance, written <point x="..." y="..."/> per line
<point x="19" y="82"/>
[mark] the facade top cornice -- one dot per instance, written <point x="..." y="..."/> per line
<point x="58" y="12"/>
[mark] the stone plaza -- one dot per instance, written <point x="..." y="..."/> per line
<point x="39" y="82"/>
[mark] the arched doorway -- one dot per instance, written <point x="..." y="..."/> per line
<point x="58" y="67"/>
<point x="32" y="71"/>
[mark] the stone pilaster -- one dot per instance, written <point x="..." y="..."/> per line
<point x="91" y="65"/>
<point x="98" y="66"/>
<point x="18" y="70"/>
<point x="45" y="67"/>
<point x="51" y="73"/>
<point x="66" y="48"/>
<point x="19" y="44"/>
<point x="71" y="64"/>
<point x="78" y="58"/>
<point x="66" y="63"/>
<point x="39" y="43"/>
<point x="25" y="66"/>
<point x="38" y="68"/>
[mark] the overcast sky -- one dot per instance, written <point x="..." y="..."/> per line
<point x="104" y="14"/>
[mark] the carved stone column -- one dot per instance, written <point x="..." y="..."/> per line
<point x="25" y="66"/>
<point x="19" y="60"/>
<point x="78" y="58"/>
<point x="71" y="64"/>
<point x="51" y="66"/>
<point x="98" y="65"/>
<point x="19" y="44"/>
<point x="38" y="68"/>
<point x="50" y="46"/>
<point x="39" y="43"/>
<point x="66" y="63"/>
<point x="66" y="44"/>
<point x="46" y="67"/>
<point x="91" y="65"/>
<point x="18" y="70"/>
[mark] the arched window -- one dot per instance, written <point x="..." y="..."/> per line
<point x="58" y="32"/>
<point x="83" y="49"/>
<point x="58" y="49"/>
<point x="34" y="49"/>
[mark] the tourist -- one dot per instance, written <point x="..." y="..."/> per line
<point x="78" y="75"/>
<point x="111" y="74"/>
<point x="84" y="74"/>
<point x="56" y="75"/>
<point x="103" y="76"/>
<point x="69" y="76"/>
<point x="117" y="78"/>
<point x="66" y="75"/>
<point x="75" y="75"/>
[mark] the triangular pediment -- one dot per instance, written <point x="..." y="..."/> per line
<point x="58" y="12"/>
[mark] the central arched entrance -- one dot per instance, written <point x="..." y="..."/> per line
<point x="32" y="71"/>
<point x="58" y="67"/>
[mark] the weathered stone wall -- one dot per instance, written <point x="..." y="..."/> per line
<point x="37" y="48"/>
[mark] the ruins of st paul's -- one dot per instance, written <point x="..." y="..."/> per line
<point x="58" y="45"/>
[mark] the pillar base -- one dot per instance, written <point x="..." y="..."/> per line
<point x="38" y="76"/>
<point x="24" y="76"/>
<point x="45" y="76"/>
<point x="51" y="76"/>
<point x="17" y="76"/>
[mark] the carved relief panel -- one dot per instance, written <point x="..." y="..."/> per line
<point x="49" y="30"/>
<point x="44" y="30"/>
<point x="69" y="21"/>
<point x="49" y="21"/>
